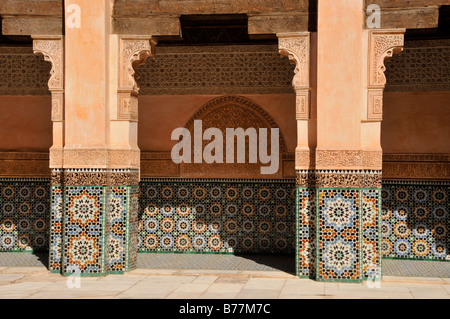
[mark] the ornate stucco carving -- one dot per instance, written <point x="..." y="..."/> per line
<point x="24" y="164"/>
<point x="101" y="158"/>
<point x="227" y="112"/>
<point x="305" y="159"/>
<point x="383" y="44"/>
<point x="133" y="51"/>
<point x="52" y="48"/>
<point x="348" y="159"/>
<point x="296" y="46"/>
<point x="416" y="166"/>
<point x="339" y="178"/>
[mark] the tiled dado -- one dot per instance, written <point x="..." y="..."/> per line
<point x="217" y="216"/>
<point x="24" y="214"/>
<point x="338" y="224"/>
<point x="416" y="220"/>
<point x="94" y="221"/>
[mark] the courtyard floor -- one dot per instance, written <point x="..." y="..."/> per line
<point x="37" y="282"/>
<point x="216" y="276"/>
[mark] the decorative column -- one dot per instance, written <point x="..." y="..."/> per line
<point x="297" y="47"/>
<point x="382" y="45"/>
<point x="52" y="48"/>
<point x="95" y="159"/>
<point x="339" y="157"/>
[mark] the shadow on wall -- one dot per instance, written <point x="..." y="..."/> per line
<point x="217" y="216"/>
<point x="24" y="215"/>
<point x="415" y="221"/>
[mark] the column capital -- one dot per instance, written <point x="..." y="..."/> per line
<point x="383" y="44"/>
<point x="133" y="52"/>
<point x="52" y="48"/>
<point x="296" y="46"/>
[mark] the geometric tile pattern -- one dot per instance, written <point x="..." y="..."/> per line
<point x="84" y="229"/>
<point x="338" y="234"/>
<point x="217" y="216"/>
<point x="117" y="204"/>
<point x="371" y="232"/>
<point x="93" y="224"/>
<point x="122" y="227"/>
<point x="24" y="214"/>
<point x="338" y="225"/>
<point x="56" y="228"/>
<point x="416" y="220"/>
<point x="306" y="239"/>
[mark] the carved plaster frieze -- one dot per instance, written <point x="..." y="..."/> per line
<point x="383" y="44"/>
<point x="101" y="158"/>
<point x="304" y="159"/>
<point x="416" y="166"/>
<point x="348" y="159"/>
<point x="296" y="46"/>
<point x="52" y="48"/>
<point x="24" y="164"/>
<point x="133" y="52"/>
<point x="302" y="105"/>
<point x="339" y="178"/>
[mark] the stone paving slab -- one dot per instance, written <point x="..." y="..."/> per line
<point x="235" y="264"/>
<point x="183" y="284"/>
<point x="416" y="268"/>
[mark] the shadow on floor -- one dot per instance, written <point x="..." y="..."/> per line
<point x="284" y="262"/>
<point x="43" y="258"/>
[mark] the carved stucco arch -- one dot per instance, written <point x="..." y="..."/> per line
<point x="383" y="44"/>
<point x="133" y="52"/>
<point x="219" y="113"/>
<point x="52" y="48"/>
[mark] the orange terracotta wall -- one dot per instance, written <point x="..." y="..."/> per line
<point x="160" y="115"/>
<point x="416" y="122"/>
<point x="25" y="123"/>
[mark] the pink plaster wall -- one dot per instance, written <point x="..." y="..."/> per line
<point x="339" y="75"/>
<point x="25" y="123"/>
<point x="86" y="77"/>
<point x="160" y="115"/>
<point x="416" y="123"/>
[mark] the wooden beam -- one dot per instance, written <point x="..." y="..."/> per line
<point x="155" y="26"/>
<point x="277" y="23"/>
<point x="29" y="25"/>
<point x="144" y="7"/>
<point x="32" y="7"/>
<point x="403" y="4"/>
<point x="409" y="14"/>
<point x="413" y="18"/>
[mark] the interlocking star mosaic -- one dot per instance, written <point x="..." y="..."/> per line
<point x="93" y="224"/>
<point x="416" y="220"/>
<point x="341" y="234"/>
<point x="24" y="214"/>
<point x="338" y="223"/>
<point x="210" y="216"/>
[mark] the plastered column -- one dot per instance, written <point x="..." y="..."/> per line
<point x="52" y="48"/>
<point x="339" y="192"/>
<point x="95" y="157"/>
<point x="298" y="47"/>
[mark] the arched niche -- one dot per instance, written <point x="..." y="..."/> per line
<point x="233" y="112"/>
